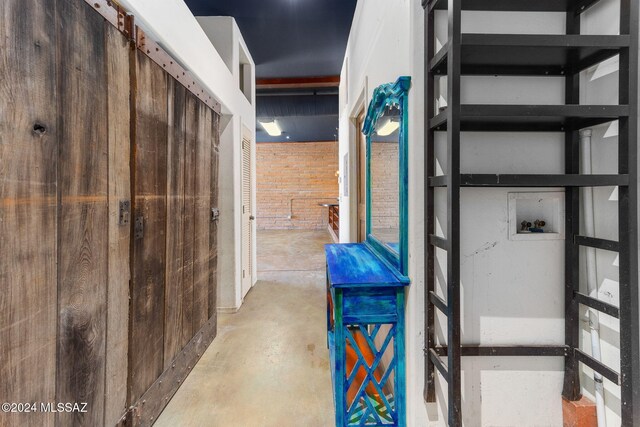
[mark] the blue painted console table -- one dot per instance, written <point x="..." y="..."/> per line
<point x="365" y="324"/>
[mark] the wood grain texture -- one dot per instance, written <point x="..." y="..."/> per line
<point x="201" y="267"/>
<point x="145" y="411"/>
<point x="146" y="339"/>
<point x="175" y="223"/>
<point x="69" y="154"/>
<point x="191" y="130"/>
<point x="213" y="226"/>
<point x="28" y="165"/>
<point x="118" y="94"/>
<point x="64" y="168"/>
<point x="83" y="212"/>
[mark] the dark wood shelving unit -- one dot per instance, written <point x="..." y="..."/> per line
<point x="529" y="54"/>
<point x="530" y="118"/>
<point x="505" y="180"/>
<point x="562" y="55"/>
<point x="515" y="5"/>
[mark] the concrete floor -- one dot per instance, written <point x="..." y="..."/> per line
<point x="269" y="365"/>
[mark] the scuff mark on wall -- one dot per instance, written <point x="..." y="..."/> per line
<point x="486" y="247"/>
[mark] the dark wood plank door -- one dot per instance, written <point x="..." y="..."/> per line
<point x="118" y="93"/>
<point x="146" y="349"/>
<point x="174" y="307"/>
<point x="213" y="226"/>
<point x="96" y="305"/>
<point x="82" y="212"/>
<point x="202" y="218"/>
<point x="191" y="129"/>
<point x="29" y="137"/>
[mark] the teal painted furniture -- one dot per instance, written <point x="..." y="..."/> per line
<point x="366" y="282"/>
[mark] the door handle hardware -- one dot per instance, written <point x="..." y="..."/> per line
<point x="124" y="212"/>
<point x="215" y="214"/>
<point x="138" y="228"/>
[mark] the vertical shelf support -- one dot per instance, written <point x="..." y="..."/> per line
<point x="628" y="219"/>
<point x="454" y="70"/>
<point x="430" y="162"/>
<point x="571" y="389"/>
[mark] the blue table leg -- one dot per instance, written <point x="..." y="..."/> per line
<point x="400" y="386"/>
<point x="340" y="361"/>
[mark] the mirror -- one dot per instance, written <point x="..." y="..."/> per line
<point x="385" y="173"/>
<point x="385" y="127"/>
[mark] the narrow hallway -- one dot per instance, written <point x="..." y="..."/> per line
<point x="269" y="365"/>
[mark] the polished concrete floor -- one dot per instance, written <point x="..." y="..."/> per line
<point x="269" y="365"/>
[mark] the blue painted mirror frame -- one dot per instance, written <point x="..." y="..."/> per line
<point x="384" y="95"/>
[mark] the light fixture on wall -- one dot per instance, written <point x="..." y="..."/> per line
<point x="388" y="128"/>
<point x="271" y="127"/>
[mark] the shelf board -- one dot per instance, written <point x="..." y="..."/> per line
<point x="516" y="5"/>
<point x="532" y="181"/>
<point x="524" y="350"/>
<point x="529" y="54"/>
<point x="535" y="118"/>
<point x="438" y="242"/>
<point x="597" y="304"/>
<point x="438" y="302"/>
<point x="592" y="242"/>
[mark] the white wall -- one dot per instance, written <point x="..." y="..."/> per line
<point x="385" y="43"/>
<point x="512" y="291"/>
<point x="229" y="225"/>
<point x="224" y="33"/>
<point x="226" y="36"/>
<point x="171" y="23"/>
<point x="220" y="31"/>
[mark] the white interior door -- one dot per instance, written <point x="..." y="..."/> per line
<point x="247" y="217"/>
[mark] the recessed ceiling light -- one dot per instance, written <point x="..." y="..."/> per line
<point x="271" y="127"/>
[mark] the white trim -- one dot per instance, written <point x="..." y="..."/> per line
<point x="359" y="106"/>
<point x="554" y="201"/>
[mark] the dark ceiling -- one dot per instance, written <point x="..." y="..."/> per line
<point x="288" y="38"/>
<point x="291" y="38"/>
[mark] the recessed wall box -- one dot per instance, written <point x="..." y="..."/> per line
<point x="530" y="207"/>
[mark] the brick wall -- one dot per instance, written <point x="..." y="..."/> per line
<point x="299" y="171"/>
<point x="385" y="196"/>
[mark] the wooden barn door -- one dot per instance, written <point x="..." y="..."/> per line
<point x="64" y="258"/>
<point x="190" y="289"/>
<point x="108" y="247"/>
<point x="146" y="347"/>
<point x="174" y="257"/>
<point x="213" y="226"/>
<point x="29" y="138"/>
